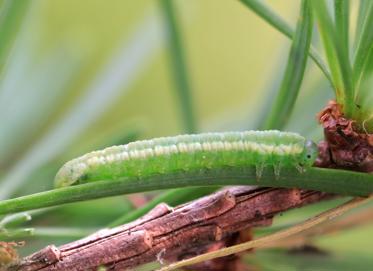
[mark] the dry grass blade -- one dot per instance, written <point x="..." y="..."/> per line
<point x="325" y="216"/>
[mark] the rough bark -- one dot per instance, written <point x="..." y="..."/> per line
<point x="347" y="145"/>
<point x="8" y="253"/>
<point x="167" y="234"/>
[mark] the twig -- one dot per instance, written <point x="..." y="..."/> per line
<point x="168" y="233"/>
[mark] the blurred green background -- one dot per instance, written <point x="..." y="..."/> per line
<point x="82" y="75"/>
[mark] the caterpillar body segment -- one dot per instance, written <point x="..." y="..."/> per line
<point x="185" y="153"/>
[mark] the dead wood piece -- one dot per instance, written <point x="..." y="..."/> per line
<point x="164" y="234"/>
<point x="8" y="254"/>
<point x="347" y="145"/>
<point x="158" y="211"/>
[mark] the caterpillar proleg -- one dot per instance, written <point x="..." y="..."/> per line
<point x="185" y="153"/>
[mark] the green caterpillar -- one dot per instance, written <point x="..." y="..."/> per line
<point x="185" y="153"/>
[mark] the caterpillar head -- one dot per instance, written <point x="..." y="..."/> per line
<point x="309" y="154"/>
<point x="69" y="174"/>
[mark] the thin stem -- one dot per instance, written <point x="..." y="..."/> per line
<point x="46" y="232"/>
<point x="327" y="180"/>
<point x="364" y="46"/>
<point x="294" y="73"/>
<point x="337" y="57"/>
<point x="267" y="14"/>
<point x="362" y="15"/>
<point x="325" y="216"/>
<point x="341" y="15"/>
<point x="11" y="16"/>
<point x="178" y="66"/>
<point x="14" y="219"/>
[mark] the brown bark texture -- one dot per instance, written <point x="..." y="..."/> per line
<point x="167" y="234"/>
<point x="347" y="145"/>
<point x="8" y="253"/>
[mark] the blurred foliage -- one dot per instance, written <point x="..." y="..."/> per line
<point x="81" y="75"/>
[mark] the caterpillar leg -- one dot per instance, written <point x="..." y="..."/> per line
<point x="259" y="171"/>
<point x="276" y="170"/>
<point x="300" y="168"/>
